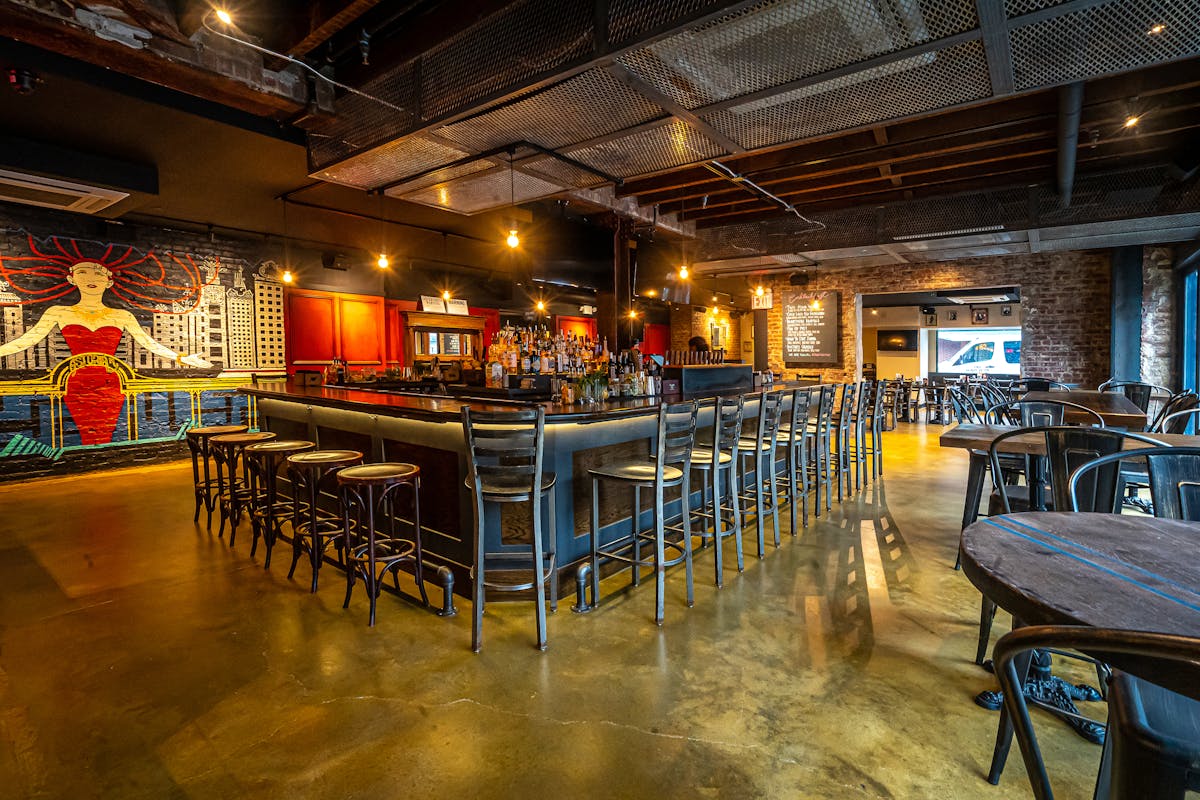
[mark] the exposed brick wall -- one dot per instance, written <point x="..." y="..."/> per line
<point x="1065" y="299"/>
<point x="1158" y="317"/>
<point x="689" y="321"/>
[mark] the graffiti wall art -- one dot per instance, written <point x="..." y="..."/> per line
<point x="103" y="345"/>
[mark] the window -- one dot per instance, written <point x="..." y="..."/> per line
<point x="1189" y="329"/>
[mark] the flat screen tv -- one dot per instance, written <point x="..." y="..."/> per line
<point x="897" y="341"/>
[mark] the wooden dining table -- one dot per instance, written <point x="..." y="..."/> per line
<point x="1102" y="570"/>
<point x="1117" y="410"/>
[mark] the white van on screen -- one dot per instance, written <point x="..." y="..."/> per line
<point x="987" y="354"/>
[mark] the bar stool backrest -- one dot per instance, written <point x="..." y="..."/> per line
<point x="676" y="436"/>
<point x="770" y="412"/>
<point x="799" y="412"/>
<point x="506" y="446"/>
<point x="846" y="412"/>
<point x="727" y="424"/>
<point x="825" y="410"/>
<point x="879" y="405"/>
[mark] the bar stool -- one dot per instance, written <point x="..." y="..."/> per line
<point x="312" y="529"/>
<point x="369" y="491"/>
<point x="720" y="474"/>
<point x="821" y="462"/>
<point x="845" y="420"/>
<point x="233" y="490"/>
<point x="875" y="427"/>
<point x="505" y="466"/>
<point x="670" y="466"/>
<point x="858" y="433"/>
<point x="759" y="452"/>
<point x="266" y="509"/>
<point x="206" y="487"/>
<point x="796" y="436"/>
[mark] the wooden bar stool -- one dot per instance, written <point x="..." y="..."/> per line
<point x="202" y="478"/>
<point x="504" y="452"/>
<point x="313" y="530"/>
<point x="368" y="495"/>
<point x="233" y="484"/>
<point x="267" y="510"/>
<point x="669" y="467"/>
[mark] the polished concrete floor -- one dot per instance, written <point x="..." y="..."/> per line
<point x="141" y="657"/>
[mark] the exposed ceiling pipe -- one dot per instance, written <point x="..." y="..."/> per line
<point x="1070" y="110"/>
<point x="717" y="168"/>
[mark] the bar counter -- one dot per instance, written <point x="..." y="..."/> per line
<point x="426" y="430"/>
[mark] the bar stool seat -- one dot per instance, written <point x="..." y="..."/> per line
<point x="509" y="486"/>
<point x="203" y="482"/>
<point x="267" y="511"/>
<point x="312" y="530"/>
<point x="367" y="492"/>
<point x="702" y="457"/>
<point x="638" y="472"/>
<point x="234" y="495"/>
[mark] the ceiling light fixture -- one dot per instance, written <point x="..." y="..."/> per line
<point x="287" y="276"/>
<point x="382" y="262"/>
<point x="683" y="272"/>
<point x="541" y="305"/>
<point x="759" y="291"/>
<point x="1156" y="29"/>
<point x="1132" y="120"/>
<point x="632" y="313"/>
<point x="513" y="240"/>
<point x="224" y="16"/>
<point x="446" y="294"/>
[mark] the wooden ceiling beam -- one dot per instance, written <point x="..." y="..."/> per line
<point x="328" y="19"/>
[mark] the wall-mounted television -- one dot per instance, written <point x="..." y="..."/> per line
<point x="897" y="341"/>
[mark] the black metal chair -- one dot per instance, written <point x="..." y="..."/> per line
<point x="845" y="424"/>
<point x="821" y="462"/>
<point x="1024" y="385"/>
<point x="1068" y="448"/>
<point x="669" y="467"/>
<point x="1184" y="401"/>
<point x="720" y="470"/>
<point x="204" y="481"/>
<point x="1152" y="747"/>
<point x="1138" y="392"/>
<point x="1181" y="421"/>
<point x="796" y="436"/>
<point x="369" y="495"/>
<point x="314" y="529"/>
<point x="758" y="457"/>
<point x="504" y="452"/>
<point x="962" y="407"/>
<point x="268" y="508"/>
<point x="1173" y="476"/>
<point x="1030" y="413"/>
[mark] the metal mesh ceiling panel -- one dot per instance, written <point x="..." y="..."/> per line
<point x="775" y="43"/>
<point x="512" y="47"/>
<point x="361" y="122"/>
<point x="441" y="176"/>
<point x="1103" y="39"/>
<point x="390" y="163"/>
<point x="630" y="20"/>
<point x="961" y="214"/>
<point x="591" y="104"/>
<point x="901" y="88"/>
<point x="483" y="191"/>
<point x="1121" y="195"/>
<point x="671" y="145"/>
<point x="1015" y="8"/>
<point x="563" y="173"/>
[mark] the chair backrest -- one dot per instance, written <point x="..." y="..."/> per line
<point x="1179" y="422"/>
<point x="962" y="406"/>
<point x="863" y="409"/>
<point x="505" y="443"/>
<point x="1037" y="413"/>
<point x="1069" y="447"/>
<point x="770" y="412"/>
<point x="846" y="410"/>
<point x="676" y="435"/>
<point x="1174" y="478"/>
<point x="879" y="405"/>
<point x="1181" y="402"/>
<point x="727" y="425"/>
<point x="1139" y="393"/>
<point x="802" y="400"/>
<point x="825" y="409"/>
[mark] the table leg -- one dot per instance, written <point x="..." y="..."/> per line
<point x="976" y="471"/>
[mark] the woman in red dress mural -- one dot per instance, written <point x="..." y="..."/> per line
<point x="94" y="396"/>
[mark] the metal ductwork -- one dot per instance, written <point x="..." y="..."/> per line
<point x="1070" y="110"/>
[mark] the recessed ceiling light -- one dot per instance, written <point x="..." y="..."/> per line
<point x="1156" y="29"/>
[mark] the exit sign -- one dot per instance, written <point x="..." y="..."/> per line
<point x="761" y="301"/>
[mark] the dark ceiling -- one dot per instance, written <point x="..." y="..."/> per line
<point x="740" y="120"/>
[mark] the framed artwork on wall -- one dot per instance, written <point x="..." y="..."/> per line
<point x="979" y="316"/>
<point x="952" y="316"/>
<point x="1006" y="311"/>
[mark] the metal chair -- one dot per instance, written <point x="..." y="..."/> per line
<point x="720" y="469"/>
<point x="1036" y="385"/>
<point x="315" y="529"/>
<point x="863" y="410"/>
<point x="875" y="428"/>
<point x="845" y="420"/>
<point x="758" y="453"/>
<point x="203" y="481"/>
<point x="505" y="465"/>
<point x="369" y="494"/>
<point x="1138" y="392"/>
<point x="1173" y="476"/>
<point x="1030" y="413"/>
<point x="670" y="467"/>
<point x="796" y="436"/>
<point x="821" y="462"/>
<point x="1180" y="421"/>
<point x="1184" y="401"/>
<point x="1152" y="748"/>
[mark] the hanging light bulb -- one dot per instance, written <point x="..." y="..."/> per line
<point x="683" y="272"/>
<point x="758" y="291"/>
<point x="541" y="305"/>
<point x="632" y="314"/>
<point x="287" y="276"/>
<point x="1132" y="120"/>
<point x="816" y="304"/>
<point x="513" y="240"/>
<point x="446" y="294"/>
<point x="225" y="17"/>
<point x="383" y="261"/>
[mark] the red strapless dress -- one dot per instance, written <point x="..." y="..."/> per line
<point x="94" y="395"/>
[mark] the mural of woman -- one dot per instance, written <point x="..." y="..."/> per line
<point x="94" y="396"/>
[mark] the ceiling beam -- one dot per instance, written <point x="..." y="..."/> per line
<point x="993" y="21"/>
<point x="333" y="17"/>
<point x="622" y="73"/>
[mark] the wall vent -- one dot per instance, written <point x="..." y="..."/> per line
<point x="35" y="190"/>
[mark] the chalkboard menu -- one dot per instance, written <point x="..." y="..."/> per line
<point x="810" y="326"/>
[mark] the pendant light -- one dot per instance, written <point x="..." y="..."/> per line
<point x="382" y="262"/>
<point x="513" y="240"/>
<point x="287" y="276"/>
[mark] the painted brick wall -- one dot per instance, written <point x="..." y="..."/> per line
<point x="236" y="326"/>
<point x="1158" y="317"/>
<point x="1065" y="298"/>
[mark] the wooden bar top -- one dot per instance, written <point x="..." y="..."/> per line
<point x="443" y="408"/>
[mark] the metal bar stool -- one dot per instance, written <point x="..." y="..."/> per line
<point x="858" y="434"/>
<point x="845" y="418"/>
<point x="505" y="466"/>
<point x="821" y="461"/>
<point x="759" y="454"/>
<point x="669" y="467"/>
<point x="719" y="468"/>
<point x="313" y="530"/>
<point x="875" y="427"/>
<point x="233" y="483"/>
<point x="267" y="510"/>
<point x="796" y="435"/>
<point x="368" y="495"/>
<point x="198" y="440"/>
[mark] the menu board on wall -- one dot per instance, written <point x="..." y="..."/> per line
<point x="810" y="326"/>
